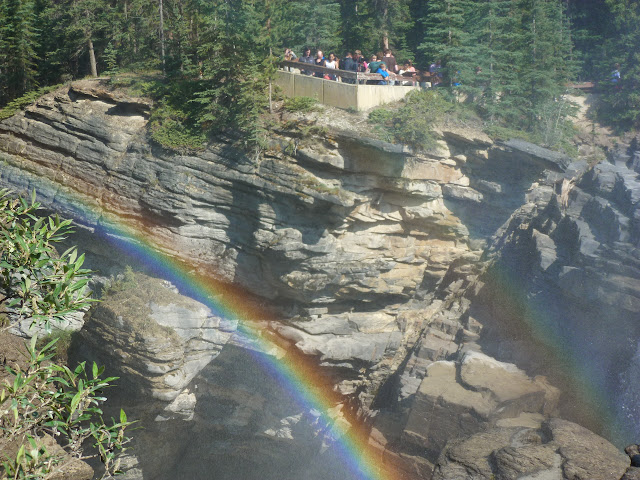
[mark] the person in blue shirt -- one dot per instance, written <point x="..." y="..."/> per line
<point x="382" y="70"/>
<point x="615" y="75"/>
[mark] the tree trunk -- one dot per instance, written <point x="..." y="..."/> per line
<point x="270" y="85"/>
<point x="385" y="32"/>
<point x="162" y="38"/>
<point x="92" y="59"/>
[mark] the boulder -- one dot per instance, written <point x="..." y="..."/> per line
<point x="554" y="450"/>
<point x="156" y="338"/>
<point x="586" y="456"/>
<point x="458" y="399"/>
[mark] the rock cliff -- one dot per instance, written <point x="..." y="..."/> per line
<point x="374" y="260"/>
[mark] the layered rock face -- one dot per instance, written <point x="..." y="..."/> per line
<point x="573" y="260"/>
<point x="336" y="230"/>
<point x="372" y="257"/>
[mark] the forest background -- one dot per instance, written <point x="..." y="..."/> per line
<point x="214" y="58"/>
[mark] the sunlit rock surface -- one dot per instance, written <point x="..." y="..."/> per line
<point x="372" y="258"/>
<point x="157" y="339"/>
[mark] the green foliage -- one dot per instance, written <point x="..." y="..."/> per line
<point x="127" y="282"/>
<point x="621" y="102"/>
<point x="445" y="36"/>
<point x="36" y="281"/>
<point x="174" y="129"/>
<point x="313" y="24"/>
<point x="300" y="104"/>
<point x="27" y="99"/>
<point x="18" y="42"/>
<point x="60" y="348"/>
<point x="411" y="123"/>
<point x="44" y="397"/>
<point x="368" y="25"/>
<point x="498" y="132"/>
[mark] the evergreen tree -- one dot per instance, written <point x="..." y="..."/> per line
<point x="18" y="43"/>
<point x="53" y="50"/>
<point x="592" y="27"/>
<point x="446" y="38"/>
<point x="89" y="23"/>
<point x="373" y="25"/>
<point x="622" y="100"/>
<point x="490" y="74"/>
<point x="314" y="24"/>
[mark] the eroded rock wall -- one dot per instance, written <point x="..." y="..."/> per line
<point x="371" y="254"/>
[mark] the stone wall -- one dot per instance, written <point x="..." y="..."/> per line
<point x="338" y="94"/>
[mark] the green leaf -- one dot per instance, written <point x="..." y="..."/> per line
<point x="123" y="416"/>
<point x="74" y="402"/>
<point x="20" y="454"/>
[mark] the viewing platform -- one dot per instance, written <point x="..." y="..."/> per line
<point x="350" y="91"/>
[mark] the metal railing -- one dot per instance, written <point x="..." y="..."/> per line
<point x="355" y="77"/>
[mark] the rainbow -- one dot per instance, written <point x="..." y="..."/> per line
<point x="581" y="380"/>
<point x="296" y="374"/>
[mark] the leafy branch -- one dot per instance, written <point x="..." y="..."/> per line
<point x="45" y="398"/>
<point x="36" y="281"/>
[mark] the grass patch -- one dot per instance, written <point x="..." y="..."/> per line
<point x="561" y="141"/>
<point x="137" y="85"/>
<point x="173" y="121"/>
<point x="27" y="99"/>
<point x="500" y="133"/>
<point x="170" y="127"/>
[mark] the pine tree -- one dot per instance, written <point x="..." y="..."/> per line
<point x="53" y="51"/>
<point x="373" y="25"/>
<point x="314" y="24"/>
<point x="491" y="54"/>
<point x="622" y="101"/>
<point x="18" y="43"/>
<point x="88" y="22"/>
<point x="446" y="38"/>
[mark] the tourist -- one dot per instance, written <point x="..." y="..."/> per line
<point x="615" y="75"/>
<point x="408" y="70"/>
<point x="350" y="65"/>
<point x="331" y="62"/>
<point x="306" y="58"/>
<point x="361" y="61"/>
<point x="390" y="61"/>
<point x="408" y="67"/>
<point x="319" y="61"/>
<point x="373" y="67"/>
<point x="374" y="64"/>
<point x="291" y="57"/>
<point x="382" y="70"/>
<point x="435" y="69"/>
